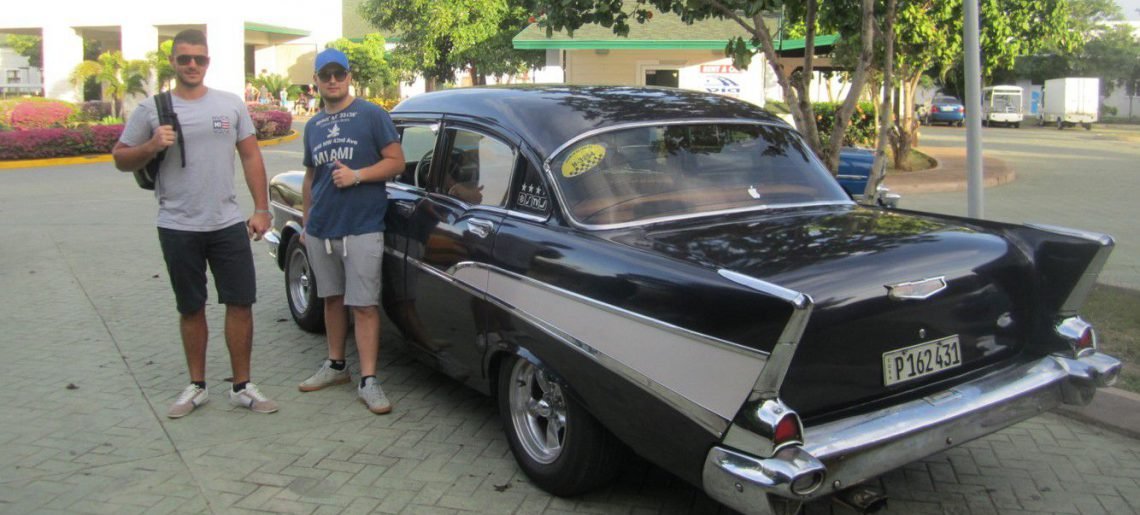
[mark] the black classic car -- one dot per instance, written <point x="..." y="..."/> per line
<point x="676" y="274"/>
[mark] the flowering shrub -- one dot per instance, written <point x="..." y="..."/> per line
<point x="386" y="103"/>
<point x="271" y="124"/>
<point x="44" y="143"/>
<point x="93" y="111"/>
<point x="39" y="143"/>
<point x="40" y="115"/>
<point x="862" y="130"/>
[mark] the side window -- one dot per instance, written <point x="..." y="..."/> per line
<point x="533" y="196"/>
<point x="479" y="169"/>
<point x="418" y="142"/>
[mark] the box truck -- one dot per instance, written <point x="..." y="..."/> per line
<point x="1070" y="101"/>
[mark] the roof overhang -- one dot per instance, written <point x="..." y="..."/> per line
<point x="275" y="29"/>
<point x="521" y="42"/>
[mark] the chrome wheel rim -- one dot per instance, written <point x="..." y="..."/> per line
<point x="300" y="280"/>
<point x="538" y="412"/>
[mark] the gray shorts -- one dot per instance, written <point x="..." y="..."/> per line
<point x="348" y="266"/>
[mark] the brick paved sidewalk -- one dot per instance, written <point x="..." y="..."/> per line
<point x="92" y="360"/>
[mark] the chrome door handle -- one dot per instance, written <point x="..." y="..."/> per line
<point x="481" y="228"/>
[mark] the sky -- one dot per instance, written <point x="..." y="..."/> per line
<point x="1129" y="7"/>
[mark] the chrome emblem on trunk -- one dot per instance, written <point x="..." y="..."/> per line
<point x="916" y="290"/>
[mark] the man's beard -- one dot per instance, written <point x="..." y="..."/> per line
<point x="332" y="100"/>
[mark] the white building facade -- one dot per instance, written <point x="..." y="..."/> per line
<point x="245" y="37"/>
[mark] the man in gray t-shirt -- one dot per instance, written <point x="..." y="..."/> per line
<point x="199" y="221"/>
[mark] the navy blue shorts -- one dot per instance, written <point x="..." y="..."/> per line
<point x="228" y="254"/>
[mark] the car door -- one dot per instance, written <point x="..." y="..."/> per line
<point x="419" y="139"/>
<point x="454" y="224"/>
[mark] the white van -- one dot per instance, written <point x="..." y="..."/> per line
<point x="1002" y="105"/>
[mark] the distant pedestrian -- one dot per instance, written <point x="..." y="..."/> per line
<point x="344" y="201"/>
<point x="200" y="223"/>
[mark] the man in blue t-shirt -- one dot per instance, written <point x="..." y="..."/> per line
<point x="351" y="149"/>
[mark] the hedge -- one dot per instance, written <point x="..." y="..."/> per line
<point x="862" y="130"/>
<point x="44" y="143"/>
<point x="271" y="124"/>
<point x="100" y="139"/>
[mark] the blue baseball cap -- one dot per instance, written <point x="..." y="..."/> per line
<point x="331" y="56"/>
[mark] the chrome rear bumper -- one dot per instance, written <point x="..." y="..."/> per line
<point x="844" y="452"/>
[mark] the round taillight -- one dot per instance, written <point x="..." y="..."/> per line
<point x="787" y="430"/>
<point x="1086" y="340"/>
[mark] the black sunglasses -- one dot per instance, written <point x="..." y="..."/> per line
<point x="200" y="60"/>
<point x="325" y="75"/>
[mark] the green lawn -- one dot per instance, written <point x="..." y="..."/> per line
<point x="1115" y="313"/>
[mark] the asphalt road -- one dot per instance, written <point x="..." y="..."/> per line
<point x="1074" y="178"/>
<point x="91" y="360"/>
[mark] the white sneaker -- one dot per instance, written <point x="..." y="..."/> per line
<point x="373" y="397"/>
<point x="252" y="398"/>
<point x="191" y="397"/>
<point x="325" y="376"/>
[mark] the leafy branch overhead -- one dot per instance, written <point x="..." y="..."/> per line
<point x="439" y="37"/>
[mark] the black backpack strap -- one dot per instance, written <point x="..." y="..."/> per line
<point x="167" y="116"/>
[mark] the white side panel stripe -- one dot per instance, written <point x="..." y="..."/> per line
<point x="709" y="375"/>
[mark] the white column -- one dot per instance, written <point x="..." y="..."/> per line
<point x="226" y="38"/>
<point x="139" y="39"/>
<point x="63" y="51"/>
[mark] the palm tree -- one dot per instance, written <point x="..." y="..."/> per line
<point x="160" y="62"/>
<point x="119" y="77"/>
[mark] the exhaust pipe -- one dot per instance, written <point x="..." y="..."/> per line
<point x="862" y="498"/>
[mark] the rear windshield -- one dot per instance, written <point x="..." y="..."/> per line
<point x="650" y="172"/>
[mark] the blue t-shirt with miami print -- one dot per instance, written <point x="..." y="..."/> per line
<point x="355" y="137"/>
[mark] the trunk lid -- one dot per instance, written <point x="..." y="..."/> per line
<point x="846" y="258"/>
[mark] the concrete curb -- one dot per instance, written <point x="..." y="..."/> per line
<point x="1112" y="409"/>
<point x="106" y="158"/>
<point x="948" y="173"/>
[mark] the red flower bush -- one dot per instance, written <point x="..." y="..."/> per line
<point x="271" y="124"/>
<point x="36" y="138"/>
<point x="45" y="143"/>
<point x="40" y="115"/>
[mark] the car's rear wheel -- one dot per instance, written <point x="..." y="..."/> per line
<point x="307" y="309"/>
<point x="558" y="445"/>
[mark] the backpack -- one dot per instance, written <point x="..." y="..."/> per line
<point x="148" y="174"/>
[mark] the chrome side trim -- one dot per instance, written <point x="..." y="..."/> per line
<point x="704" y="378"/>
<point x="286" y="208"/>
<point x="767" y="386"/>
<point x="1085" y="285"/>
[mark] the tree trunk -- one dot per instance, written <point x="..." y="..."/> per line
<point x="843" y="115"/>
<point x="801" y="118"/>
<point x="878" y="168"/>
<point x="803" y="85"/>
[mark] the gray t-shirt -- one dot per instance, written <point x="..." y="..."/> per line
<point x="199" y="197"/>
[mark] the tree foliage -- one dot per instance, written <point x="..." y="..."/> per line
<point x="371" y="70"/>
<point x="438" y="37"/>
<point x="160" y="63"/>
<point x="756" y="18"/>
<point x="31" y="47"/>
<point x="118" y="76"/>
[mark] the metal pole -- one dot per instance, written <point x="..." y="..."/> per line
<point x="974" y="185"/>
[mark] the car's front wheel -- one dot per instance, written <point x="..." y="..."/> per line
<point x="560" y="446"/>
<point x="307" y="309"/>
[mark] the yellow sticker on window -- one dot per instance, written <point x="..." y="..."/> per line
<point x="582" y="160"/>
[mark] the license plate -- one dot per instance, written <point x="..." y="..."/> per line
<point x="921" y="360"/>
<point x="949" y="109"/>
